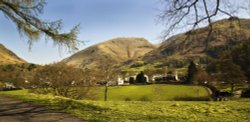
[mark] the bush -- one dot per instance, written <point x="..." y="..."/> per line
<point x="193" y="99"/>
<point x="131" y="80"/>
<point x="127" y="99"/>
<point x="246" y="93"/>
<point x="144" y="98"/>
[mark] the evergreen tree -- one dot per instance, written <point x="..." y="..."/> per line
<point x="241" y="56"/>
<point x="140" y="78"/>
<point x="191" y="72"/>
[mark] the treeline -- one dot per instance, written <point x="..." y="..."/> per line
<point x="58" y="79"/>
<point x="62" y="80"/>
<point x="16" y="75"/>
<point x="230" y="68"/>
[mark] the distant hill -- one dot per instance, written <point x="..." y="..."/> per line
<point x="113" y="52"/>
<point x="195" y="45"/>
<point x="138" y="54"/>
<point x="8" y="57"/>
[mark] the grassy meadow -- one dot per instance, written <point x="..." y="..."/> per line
<point x="144" y="111"/>
<point x="156" y="92"/>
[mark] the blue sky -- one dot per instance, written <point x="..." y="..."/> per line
<point x="100" y="20"/>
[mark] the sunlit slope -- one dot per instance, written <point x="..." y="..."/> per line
<point x="113" y="51"/>
<point x="8" y="57"/>
<point x="196" y="45"/>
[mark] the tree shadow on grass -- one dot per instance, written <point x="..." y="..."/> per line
<point x="23" y="111"/>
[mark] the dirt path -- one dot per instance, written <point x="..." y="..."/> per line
<point x="12" y="110"/>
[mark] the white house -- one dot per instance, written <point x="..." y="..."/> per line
<point x="156" y="76"/>
<point x="176" y="76"/>
<point x="120" y="81"/>
<point x="9" y="85"/>
<point x="147" y="78"/>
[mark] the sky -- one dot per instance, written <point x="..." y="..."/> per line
<point x="100" y="20"/>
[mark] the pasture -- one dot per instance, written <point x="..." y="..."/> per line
<point x="156" y="92"/>
<point x="149" y="111"/>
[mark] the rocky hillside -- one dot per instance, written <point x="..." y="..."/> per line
<point x="113" y="52"/>
<point x="195" y="45"/>
<point x="8" y="57"/>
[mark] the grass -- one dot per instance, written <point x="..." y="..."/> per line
<point x="156" y="92"/>
<point x="181" y="71"/>
<point x="157" y="111"/>
<point x="139" y="68"/>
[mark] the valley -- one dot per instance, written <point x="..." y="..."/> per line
<point x="188" y="77"/>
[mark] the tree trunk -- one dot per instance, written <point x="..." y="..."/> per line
<point x="232" y="88"/>
<point x="106" y="92"/>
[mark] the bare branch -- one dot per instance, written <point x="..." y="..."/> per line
<point x="177" y="12"/>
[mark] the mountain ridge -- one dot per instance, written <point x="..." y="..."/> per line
<point x="226" y="32"/>
<point x="8" y="57"/>
<point x="176" y="51"/>
<point x="113" y="51"/>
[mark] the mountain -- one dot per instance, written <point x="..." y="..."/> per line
<point x="8" y="57"/>
<point x="196" y="45"/>
<point x="113" y="52"/>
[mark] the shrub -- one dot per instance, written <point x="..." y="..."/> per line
<point x="131" y="80"/>
<point x="127" y="99"/>
<point x="246" y="93"/>
<point x="193" y="99"/>
<point x="144" y="98"/>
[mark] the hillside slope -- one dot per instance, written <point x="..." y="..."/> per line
<point x="112" y="52"/>
<point x="8" y="57"/>
<point x="197" y="46"/>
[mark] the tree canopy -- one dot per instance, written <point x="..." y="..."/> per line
<point x="192" y="69"/>
<point x="24" y="13"/>
<point x="140" y="78"/>
<point x="227" y="72"/>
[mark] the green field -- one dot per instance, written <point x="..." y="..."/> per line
<point x="157" y="92"/>
<point x="156" y="111"/>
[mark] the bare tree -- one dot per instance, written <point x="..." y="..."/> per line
<point x="63" y="80"/>
<point x="107" y="73"/>
<point x="24" y="13"/>
<point x="193" y="13"/>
